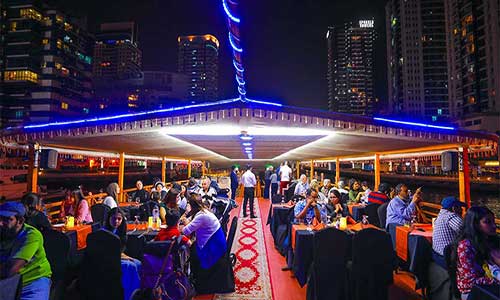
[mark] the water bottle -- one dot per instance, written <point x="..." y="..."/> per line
<point x="156" y="216"/>
<point x="495" y="271"/>
<point x="365" y="220"/>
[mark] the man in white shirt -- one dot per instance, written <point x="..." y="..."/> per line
<point x="249" y="181"/>
<point x="302" y="186"/>
<point x="285" y="174"/>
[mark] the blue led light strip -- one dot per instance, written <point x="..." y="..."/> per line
<point x="233" y="22"/>
<point x="414" y="124"/>
<point x="93" y="120"/>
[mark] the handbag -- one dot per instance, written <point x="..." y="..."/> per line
<point x="174" y="285"/>
<point x="11" y="288"/>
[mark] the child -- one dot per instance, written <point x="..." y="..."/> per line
<point x="172" y="217"/>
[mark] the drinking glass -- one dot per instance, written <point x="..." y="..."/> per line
<point x="137" y="200"/>
<point x="136" y="222"/>
<point x="308" y="221"/>
<point x="365" y="220"/>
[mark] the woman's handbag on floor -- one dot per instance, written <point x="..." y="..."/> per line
<point x="10" y="288"/>
<point x="172" y="286"/>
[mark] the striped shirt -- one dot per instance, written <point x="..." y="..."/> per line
<point x="377" y="198"/>
<point x="446" y="227"/>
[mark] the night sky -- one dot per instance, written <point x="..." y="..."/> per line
<point x="284" y="41"/>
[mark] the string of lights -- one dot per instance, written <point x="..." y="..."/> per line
<point x="233" y="22"/>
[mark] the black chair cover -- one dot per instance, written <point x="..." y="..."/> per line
<point x="451" y="263"/>
<point x="327" y="278"/>
<point x="371" y="274"/>
<point x="282" y="236"/>
<point x="158" y="248"/>
<point x="57" y="246"/>
<point x="290" y="191"/>
<point x="382" y="214"/>
<point x="231" y="234"/>
<point x="99" y="212"/>
<point x="101" y="267"/>
<point x="277" y="198"/>
<point x="135" y="246"/>
<point x="371" y="211"/>
<point x="439" y="283"/>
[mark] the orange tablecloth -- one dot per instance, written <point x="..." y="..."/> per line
<point x="81" y="234"/>
<point x="132" y="226"/>
<point x="402" y="234"/>
<point x="350" y="206"/>
<point x="353" y="227"/>
<point x="124" y="204"/>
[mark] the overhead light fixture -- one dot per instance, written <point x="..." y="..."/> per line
<point x="248" y="148"/>
<point x="246" y="144"/>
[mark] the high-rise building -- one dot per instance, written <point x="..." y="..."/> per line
<point x="198" y="59"/>
<point x="416" y="59"/>
<point x="350" y="67"/>
<point x="473" y="39"/>
<point x="116" y="53"/>
<point x="45" y="64"/>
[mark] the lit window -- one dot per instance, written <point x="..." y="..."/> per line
<point x="133" y="97"/>
<point x="434" y="118"/>
<point x="64" y="105"/>
<point x="45" y="41"/>
<point x="59" y="19"/>
<point x="85" y="110"/>
<point x="19" y="114"/>
<point x="30" y="13"/>
<point x="24" y="75"/>
<point x="67" y="26"/>
<point x="59" y="43"/>
<point x="440" y="111"/>
<point x="13" y="26"/>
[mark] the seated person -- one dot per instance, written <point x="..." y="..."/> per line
<point x="169" y="202"/>
<point x="447" y="226"/>
<point x="477" y="249"/>
<point x="334" y="207"/>
<point x="354" y="192"/>
<point x="131" y="268"/>
<point x="379" y="197"/>
<point x="399" y="211"/>
<point x="68" y="206"/>
<point x="83" y="214"/>
<point x="327" y="185"/>
<point x="22" y="252"/>
<point x="113" y="191"/>
<point x="181" y="199"/>
<point x="207" y="192"/>
<point x="210" y="244"/>
<point x="363" y="196"/>
<point x="308" y="209"/>
<point x="302" y="186"/>
<point x="341" y="188"/>
<point x="172" y="216"/>
<point x="33" y="216"/>
<point x="140" y="195"/>
<point x="193" y="186"/>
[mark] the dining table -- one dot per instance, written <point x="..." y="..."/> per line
<point x="302" y="237"/>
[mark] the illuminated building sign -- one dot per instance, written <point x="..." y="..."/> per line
<point x="366" y="23"/>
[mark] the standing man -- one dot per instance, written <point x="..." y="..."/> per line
<point x="285" y="174"/>
<point x="267" y="178"/>
<point x="234" y="182"/>
<point x="249" y="181"/>
<point x="22" y="252"/>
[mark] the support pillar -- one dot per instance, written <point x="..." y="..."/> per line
<point x="312" y="170"/>
<point x="189" y="168"/>
<point x="203" y="168"/>
<point x="297" y="169"/>
<point x="121" y="175"/>
<point x="377" y="171"/>
<point x="32" y="179"/>
<point x="337" y="170"/>
<point x="463" y="174"/>
<point x="163" y="169"/>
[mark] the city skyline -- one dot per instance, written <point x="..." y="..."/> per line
<point x="275" y="70"/>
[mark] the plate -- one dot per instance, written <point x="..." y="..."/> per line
<point x="58" y="225"/>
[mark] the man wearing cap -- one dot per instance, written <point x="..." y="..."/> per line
<point x="22" y="252"/>
<point x="447" y="224"/>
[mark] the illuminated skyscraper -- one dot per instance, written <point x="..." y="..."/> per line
<point x="199" y="60"/>
<point x="416" y="59"/>
<point x="350" y="67"/>
<point x="473" y="40"/>
<point x="45" y="64"/>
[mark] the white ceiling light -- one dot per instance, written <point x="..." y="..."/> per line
<point x="228" y="130"/>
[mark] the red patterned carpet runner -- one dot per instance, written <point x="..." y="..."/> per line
<point x="251" y="271"/>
